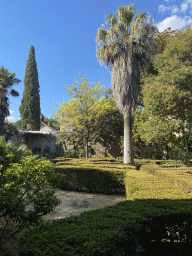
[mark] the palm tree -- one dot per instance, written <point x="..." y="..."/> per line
<point x="126" y="44"/>
<point x="7" y="80"/>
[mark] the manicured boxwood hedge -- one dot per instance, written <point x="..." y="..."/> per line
<point x="157" y="215"/>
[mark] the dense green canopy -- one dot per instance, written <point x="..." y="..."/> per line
<point x="30" y="103"/>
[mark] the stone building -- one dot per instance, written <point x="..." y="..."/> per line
<point x="41" y="142"/>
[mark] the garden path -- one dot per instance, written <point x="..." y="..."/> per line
<point x="74" y="203"/>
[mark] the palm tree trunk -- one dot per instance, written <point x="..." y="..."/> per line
<point x="128" y="143"/>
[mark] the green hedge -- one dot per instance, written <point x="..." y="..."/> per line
<point x="154" y="210"/>
<point x="111" y="230"/>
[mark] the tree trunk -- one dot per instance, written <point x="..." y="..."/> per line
<point x="128" y="142"/>
<point x="165" y="151"/>
<point x="86" y="149"/>
<point x="185" y="147"/>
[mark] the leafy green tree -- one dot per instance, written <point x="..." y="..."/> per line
<point x="109" y="129"/>
<point x="9" y="130"/>
<point x="7" y="80"/>
<point x="18" y="124"/>
<point x="125" y="46"/>
<point x="167" y="95"/>
<point x="25" y="181"/>
<point x="162" y="38"/>
<point x="86" y="105"/>
<point x="30" y="103"/>
<point x="106" y="130"/>
<point x="76" y="139"/>
<point x="53" y="123"/>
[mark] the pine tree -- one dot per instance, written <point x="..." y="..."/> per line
<point x="30" y="103"/>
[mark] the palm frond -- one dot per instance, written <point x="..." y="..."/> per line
<point x="107" y="53"/>
<point x="121" y="29"/>
<point x="126" y="14"/>
<point x="112" y="35"/>
<point x="111" y="19"/>
<point x="124" y="33"/>
<point x="101" y="36"/>
<point x="138" y="24"/>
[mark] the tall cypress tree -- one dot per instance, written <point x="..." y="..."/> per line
<point x="30" y="103"/>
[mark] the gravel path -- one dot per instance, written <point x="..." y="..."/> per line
<point x="74" y="203"/>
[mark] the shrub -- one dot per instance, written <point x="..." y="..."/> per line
<point x="24" y="181"/>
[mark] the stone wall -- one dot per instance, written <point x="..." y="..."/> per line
<point x="140" y="150"/>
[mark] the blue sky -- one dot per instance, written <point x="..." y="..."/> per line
<point x="63" y="34"/>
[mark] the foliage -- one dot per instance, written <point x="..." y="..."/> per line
<point x="9" y="130"/>
<point x="30" y="103"/>
<point x="24" y="181"/>
<point x="167" y="96"/>
<point x="18" y="125"/>
<point x="162" y="38"/>
<point x="109" y="127"/>
<point x="107" y="130"/>
<point x="46" y="151"/>
<point x="125" y="44"/>
<point x="53" y="123"/>
<point x="83" y="110"/>
<point x="11" y="152"/>
<point x="7" y="80"/>
<point x="124" y="29"/>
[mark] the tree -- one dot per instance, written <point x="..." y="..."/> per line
<point x="162" y="38"/>
<point x="18" y="124"/>
<point x="106" y="130"/>
<point x="53" y="123"/>
<point x="86" y="105"/>
<point x="76" y="139"/>
<point x="7" y="80"/>
<point x="109" y="129"/>
<point x="167" y="95"/>
<point x="126" y="46"/>
<point x="30" y="103"/>
<point x="25" y="181"/>
<point x="9" y="130"/>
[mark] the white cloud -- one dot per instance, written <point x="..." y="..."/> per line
<point x="184" y="7"/>
<point x="10" y="118"/>
<point x="11" y="111"/>
<point x="163" y="8"/>
<point x="174" y="9"/>
<point x="169" y="1"/>
<point x="174" y="22"/>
